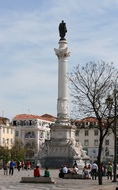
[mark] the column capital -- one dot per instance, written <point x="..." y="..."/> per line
<point x="62" y="52"/>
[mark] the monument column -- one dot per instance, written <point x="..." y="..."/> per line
<point x="62" y="101"/>
<point x="62" y="147"/>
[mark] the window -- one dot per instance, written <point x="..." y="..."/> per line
<point x="77" y="133"/>
<point x="7" y="130"/>
<point x="86" y="132"/>
<point x="11" y="141"/>
<point x="96" y="142"/>
<point x="40" y="123"/>
<point x="3" y="130"/>
<point x="48" y="135"/>
<point x="3" y="140"/>
<point x="30" y="134"/>
<point x="86" y="142"/>
<point x="17" y="123"/>
<point x="27" y="122"/>
<point x="16" y="133"/>
<point x="21" y="123"/>
<point x="95" y="132"/>
<point x="11" y="131"/>
<point x="107" y="142"/>
<point x="41" y="135"/>
<point x="7" y="141"/>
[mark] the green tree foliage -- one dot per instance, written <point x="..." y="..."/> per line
<point x="4" y="154"/>
<point x="90" y="86"/>
<point x="18" y="151"/>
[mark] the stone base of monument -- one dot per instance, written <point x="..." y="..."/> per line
<point x="56" y="162"/>
<point x="62" y="148"/>
<point x="37" y="180"/>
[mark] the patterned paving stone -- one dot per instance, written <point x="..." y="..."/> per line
<point x="13" y="182"/>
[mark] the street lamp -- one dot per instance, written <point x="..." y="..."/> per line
<point x="110" y="102"/>
<point x="115" y="133"/>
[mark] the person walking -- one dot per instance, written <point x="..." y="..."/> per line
<point x="5" y="167"/>
<point x="18" y="165"/>
<point x="94" y="170"/>
<point x="109" y="171"/>
<point x="11" y="167"/>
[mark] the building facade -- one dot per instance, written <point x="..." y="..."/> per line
<point x="88" y="134"/>
<point x="33" y="131"/>
<point x="7" y="133"/>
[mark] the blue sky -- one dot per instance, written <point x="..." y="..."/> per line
<point x="28" y="36"/>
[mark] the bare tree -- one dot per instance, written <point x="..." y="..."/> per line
<point x="90" y="86"/>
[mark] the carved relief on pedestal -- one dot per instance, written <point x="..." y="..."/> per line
<point x="62" y="52"/>
<point x="57" y="151"/>
<point x="62" y="106"/>
<point x="59" y="134"/>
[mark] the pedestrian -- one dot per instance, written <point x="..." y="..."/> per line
<point x="94" y="170"/>
<point x="65" y="169"/>
<point x="109" y="171"/>
<point x="75" y="164"/>
<point x="22" y="165"/>
<point x="11" y="167"/>
<point x="18" y="165"/>
<point x="5" y="167"/>
<point x="75" y="170"/>
<point x="28" y="165"/>
<point x="46" y="172"/>
<point x="37" y="172"/>
<point x="85" y="172"/>
<point x="61" y="174"/>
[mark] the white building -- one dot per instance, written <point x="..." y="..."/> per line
<point x="88" y="134"/>
<point x="7" y="133"/>
<point x="33" y="129"/>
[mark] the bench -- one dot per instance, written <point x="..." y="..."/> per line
<point x="37" y="180"/>
<point x="75" y="176"/>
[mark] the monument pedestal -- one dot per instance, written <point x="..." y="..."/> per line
<point x="62" y="148"/>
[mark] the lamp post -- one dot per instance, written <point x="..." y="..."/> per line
<point x="110" y="102"/>
<point x="115" y="133"/>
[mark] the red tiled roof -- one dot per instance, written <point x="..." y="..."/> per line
<point x="88" y="119"/>
<point x="31" y="116"/>
<point x="48" y="116"/>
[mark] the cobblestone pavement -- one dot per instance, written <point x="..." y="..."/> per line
<point x="13" y="182"/>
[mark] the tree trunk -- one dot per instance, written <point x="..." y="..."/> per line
<point x="99" y="162"/>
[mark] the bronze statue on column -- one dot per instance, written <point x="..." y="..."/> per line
<point x="62" y="30"/>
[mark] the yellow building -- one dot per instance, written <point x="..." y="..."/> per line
<point x="7" y="133"/>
